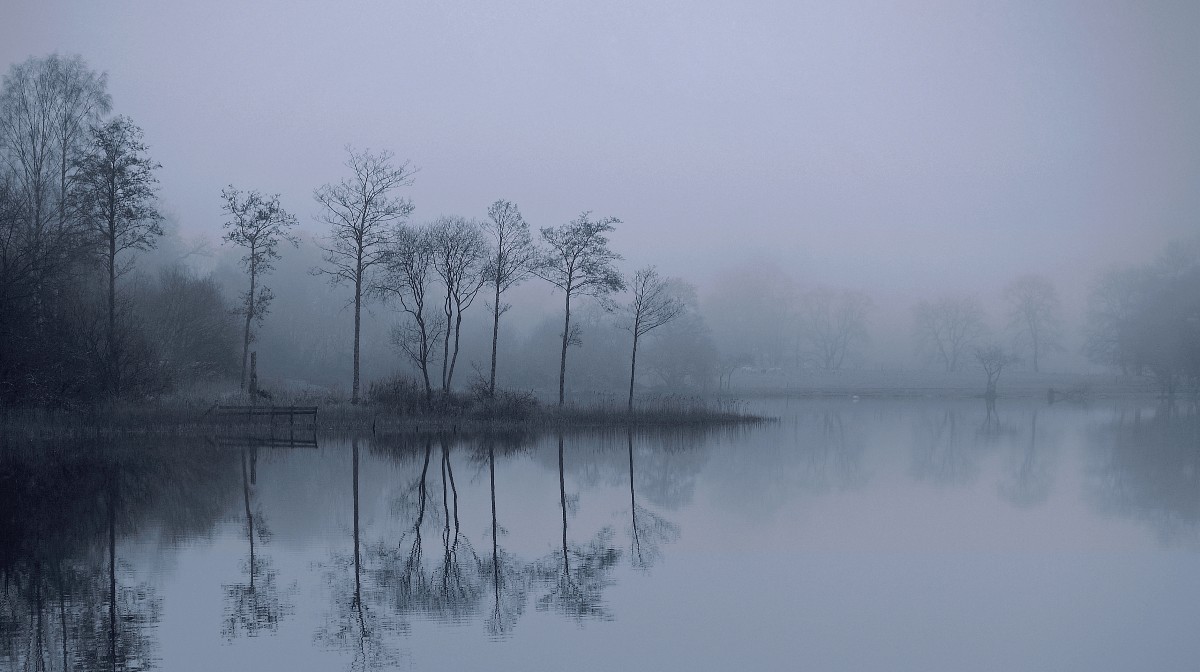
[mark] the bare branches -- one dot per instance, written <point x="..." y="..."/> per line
<point x="577" y="259"/>
<point x="361" y="213"/>
<point x="1034" y="314"/>
<point x="653" y="305"/>
<point x="833" y="321"/>
<point x="948" y="327"/>
<point x="513" y="260"/>
<point x="460" y="255"/>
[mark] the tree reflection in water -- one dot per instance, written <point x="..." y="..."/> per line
<point x="354" y="625"/>
<point x="578" y="591"/>
<point x="255" y="606"/>
<point x="1146" y="465"/>
<point x="1029" y="478"/>
<point x="67" y="601"/>
<point x="647" y="530"/>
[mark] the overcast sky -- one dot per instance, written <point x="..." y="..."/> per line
<point x="889" y="146"/>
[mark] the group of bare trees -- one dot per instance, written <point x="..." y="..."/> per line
<point x="952" y="331"/>
<point x="434" y="272"/>
<point x="77" y="202"/>
<point x="767" y="320"/>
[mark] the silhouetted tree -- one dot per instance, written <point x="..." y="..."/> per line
<point x="832" y="322"/>
<point x="459" y="255"/>
<point x="406" y="279"/>
<point x="578" y="262"/>
<point x="117" y="201"/>
<point x="361" y="214"/>
<point x="513" y="258"/>
<point x="652" y="306"/>
<point x="259" y="224"/>
<point x="948" y="327"/>
<point x="1034" y="315"/>
<point x="994" y="359"/>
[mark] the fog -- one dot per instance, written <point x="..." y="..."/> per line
<point x="901" y="153"/>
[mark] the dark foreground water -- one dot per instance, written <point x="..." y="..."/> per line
<point x="896" y="535"/>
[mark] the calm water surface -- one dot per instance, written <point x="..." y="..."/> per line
<point x="894" y="535"/>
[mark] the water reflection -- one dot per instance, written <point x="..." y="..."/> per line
<point x="1146" y="464"/>
<point x="404" y="533"/>
<point x="256" y="605"/>
<point x="69" y="599"/>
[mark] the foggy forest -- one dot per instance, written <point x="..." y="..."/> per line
<point x="599" y="336"/>
<point x="105" y="298"/>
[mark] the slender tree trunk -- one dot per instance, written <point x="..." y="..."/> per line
<point x="562" y="365"/>
<point x="448" y="312"/>
<point x="633" y="367"/>
<point x="249" y="317"/>
<point x="495" y="527"/>
<point x="357" y="327"/>
<point x="113" y="363"/>
<point x="495" y="339"/>
<point x="454" y="355"/>
<point x="637" y="544"/>
<point x="562" y="499"/>
<point x="357" y="567"/>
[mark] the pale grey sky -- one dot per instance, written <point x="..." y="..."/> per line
<point x="898" y="147"/>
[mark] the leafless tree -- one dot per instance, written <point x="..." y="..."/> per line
<point x="833" y="322"/>
<point x="653" y="305"/>
<point x="948" y="327"/>
<point x="117" y="200"/>
<point x="361" y="211"/>
<point x="994" y="359"/>
<point x="259" y="224"/>
<point x="459" y="256"/>
<point x="407" y="280"/>
<point x="578" y="262"/>
<point x="513" y="258"/>
<point x="47" y="106"/>
<point x="1034" y="314"/>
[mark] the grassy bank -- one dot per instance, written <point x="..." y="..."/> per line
<point x="184" y="415"/>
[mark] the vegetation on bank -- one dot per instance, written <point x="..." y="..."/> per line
<point x="398" y="405"/>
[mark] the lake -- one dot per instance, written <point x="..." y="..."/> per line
<point x="858" y="535"/>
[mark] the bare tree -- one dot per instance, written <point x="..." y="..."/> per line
<point x="948" y="327"/>
<point x="47" y="106"/>
<point x="117" y="199"/>
<point x="994" y="359"/>
<point x="406" y="279"/>
<point x="84" y="99"/>
<point x="360" y="212"/>
<point x="258" y="223"/>
<point x="459" y="256"/>
<point x="653" y="305"/>
<point x="513" y="259"/>
<point x="578" y="262"/>
<point x="1034" y="314"/>
<point x="833" y="322"/>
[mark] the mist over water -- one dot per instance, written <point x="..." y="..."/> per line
<point x="872" y="535"/>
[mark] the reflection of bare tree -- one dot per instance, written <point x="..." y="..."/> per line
<point x="1146" y="465"/>
<point x="254" y="606"/>
<point x="508" y="585"/>
<point x="578" y="592"/>
<point x="355" y="626"/>
<point x="1029" y="479"/>
<point x="939" y="454"/>
<point x="647" y="529"/>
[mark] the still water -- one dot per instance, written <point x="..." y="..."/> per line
<point x="874" y="535"/>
